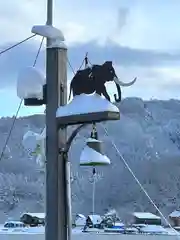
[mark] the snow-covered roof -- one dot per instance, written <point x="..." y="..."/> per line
<point x="14" y="222"/>
<point x="175" y="214"/>
<point x="154" y="229"/>
<point x="120" y="224"/>
<point x="81" y="216"/>
<point x="95" y="219"/>
<point x="85" y="104"/>
<point x="39" y="215"/>
<point x="145" y="215"/>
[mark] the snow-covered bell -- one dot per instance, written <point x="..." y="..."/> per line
<point x="31" y="86"/>
<point x="86" y="108"/>
<point x="92" y="154"/>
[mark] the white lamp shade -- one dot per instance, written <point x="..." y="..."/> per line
<point x="90" y="157"/>
<point x="30" y="83"/>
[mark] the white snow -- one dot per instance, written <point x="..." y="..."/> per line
<point x="145" y="215"/>
<point x="57" y="44"/>
<point x="96" y="219"/>
<point x="80" y="220"/>
<point x="92" y="157"/>
<point x="175" y="214"/>
<point x="48" y="32"/>
<point x="30" y="83"/>
<point x="92" y="140"/>
<point x="84" y="104"/>
<point x="154" y="229"/>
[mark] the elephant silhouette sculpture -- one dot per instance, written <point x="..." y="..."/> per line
<point x="93" y="79"/>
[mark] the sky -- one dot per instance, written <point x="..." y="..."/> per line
<point x="141" y="38"/>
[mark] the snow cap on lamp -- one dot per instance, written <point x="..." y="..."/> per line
<point x="87" y="108"/>
<point x="30" y="86"/>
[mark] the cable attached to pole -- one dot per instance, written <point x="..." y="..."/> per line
<point x="20" y="104"/>
<point x="139" y="183"/>
<point x="17" y="44"/>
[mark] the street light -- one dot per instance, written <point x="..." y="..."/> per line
<point x="31" y="87"/>
<point x="83" y="109"/>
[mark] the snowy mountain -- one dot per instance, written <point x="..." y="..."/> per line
<point x="148" y="137"/>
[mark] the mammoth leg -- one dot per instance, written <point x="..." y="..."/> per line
<point x="104" y="92"/>
<point x="70" y="92"/>
<point x="119" y="93"/>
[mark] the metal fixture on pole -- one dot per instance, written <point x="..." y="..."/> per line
<point x="60" y="115"/>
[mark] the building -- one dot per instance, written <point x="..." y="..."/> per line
<point x="94" y="221"/>
<point x="80" y="220"/>
<point x="175" y="218"/>
<point x="146" y="218"/>
<point x="33" y="219"/>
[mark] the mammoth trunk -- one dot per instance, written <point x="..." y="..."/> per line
<point x="118" y="99"/>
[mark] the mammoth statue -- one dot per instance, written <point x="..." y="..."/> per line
<point x="93" y="79"/>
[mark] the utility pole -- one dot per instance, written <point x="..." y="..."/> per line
<point x="56" y="191"/>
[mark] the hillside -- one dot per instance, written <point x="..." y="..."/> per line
<point x="148" y="136"/>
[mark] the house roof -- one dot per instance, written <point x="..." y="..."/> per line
<point x="175" y="213"/>
<point x="95" y="219"/>
<point x="81" y="216"/>
<point x="39" y="215"/>
<point x="145" y="215"/>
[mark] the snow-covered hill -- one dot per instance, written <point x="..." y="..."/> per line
<point x="148" y="136"/>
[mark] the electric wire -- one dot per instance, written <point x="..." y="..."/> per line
<point x="20" y="104"/>
<point x="138" y="182"/>
<point x="134" y="176"/>
<point x="17" y="44"/>
<point x="71" y="67"/>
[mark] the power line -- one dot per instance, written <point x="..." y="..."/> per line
<point x="138" y="182"/>
<point x="71" y="67"/>
<point x="17" y="44"/>
<point x="20" y="104"/>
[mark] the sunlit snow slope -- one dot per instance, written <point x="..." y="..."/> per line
<point x="148" y="136"/>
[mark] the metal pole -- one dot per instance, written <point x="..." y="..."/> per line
<point x="63" y="158"/>
<point x="68" y="192"/>
<point x="49" y="16"/>
<point x="93" y="195"/>
<point x="56" y="75"/>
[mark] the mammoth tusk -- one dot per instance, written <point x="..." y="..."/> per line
<point x="123" y="84"/>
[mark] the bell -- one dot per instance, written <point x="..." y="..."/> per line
<point x="86" y="108"/>
<point x="92" y="154"/>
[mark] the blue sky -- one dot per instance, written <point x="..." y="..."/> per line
<point x="142" y="38"/>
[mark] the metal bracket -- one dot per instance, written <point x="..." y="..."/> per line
<point x="65" y="149"/>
